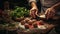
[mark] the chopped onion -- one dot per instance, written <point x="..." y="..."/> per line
<point x="42" y="16"/>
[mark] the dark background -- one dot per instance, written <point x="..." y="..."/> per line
<point x="13" y="3"/>
<point x="21" y="3"/>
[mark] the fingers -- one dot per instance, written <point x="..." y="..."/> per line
<point x="33" y="13"/>
<point x="47" y="11"/>
<point x="50" y="13"/>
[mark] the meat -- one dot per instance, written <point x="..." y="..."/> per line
<point x="31" y="23"/>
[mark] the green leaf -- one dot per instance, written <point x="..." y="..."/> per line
<point x="20" y="12"/>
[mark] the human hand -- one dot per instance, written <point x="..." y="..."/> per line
<point x="33" y="12"/>
<point x="50" y="12"/>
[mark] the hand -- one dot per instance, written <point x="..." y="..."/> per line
<point x="33" y="12"/>
<point x="50" y="12"/>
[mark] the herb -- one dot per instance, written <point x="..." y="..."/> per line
<point x="20" y="12"/>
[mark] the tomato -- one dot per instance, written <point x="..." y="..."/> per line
<point x="30" y="22"/>
<point x="31" y="27"/>
<point x="26" y="26"/>
<point x="39" y="23"/>
<point x="35" y="25"/>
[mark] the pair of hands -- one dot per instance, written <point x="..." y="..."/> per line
<point x="50" y="12"/>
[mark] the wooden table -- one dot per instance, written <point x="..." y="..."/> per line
<point x="37" y="31"/>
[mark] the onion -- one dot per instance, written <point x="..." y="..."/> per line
<point x="42" y="16"/>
